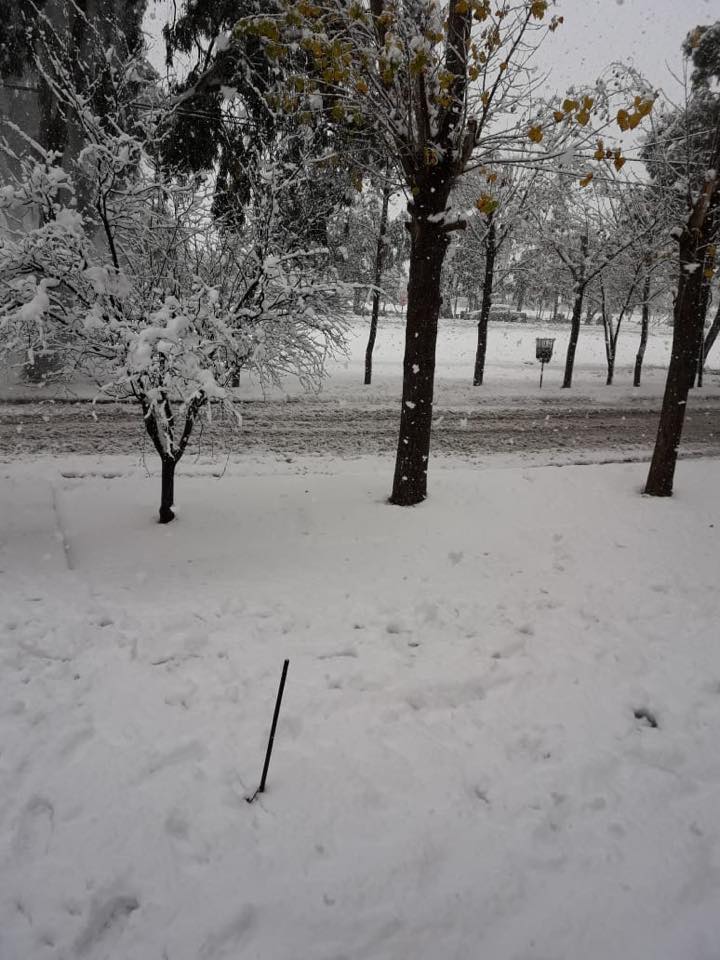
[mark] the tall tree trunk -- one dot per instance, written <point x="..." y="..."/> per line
<point x="644" y="329"/>
<point x="687" y="327"/>
<point x="427" y="252"/>
<point x="580" y="283"/>
<point x="681" y="373"/>
<point x="574" y="334"/>
<point x="556" y="304"/>
<point x="167" y="494"/>
<point x="610" y="371"/>
<point x="609" y="338"/>
<point x="703" y="308"/>
<point x="490" y="252"/>
<point x="712" y="334"/>
<point x="379" y="259"/>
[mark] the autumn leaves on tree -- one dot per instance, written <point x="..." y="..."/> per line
<point x="434" y="90"/>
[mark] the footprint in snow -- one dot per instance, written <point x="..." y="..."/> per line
<point x="35" y="828"/>
<point x="225" y="941"/>
<point x="192" y="751"/>
<point x="106" y="915"/>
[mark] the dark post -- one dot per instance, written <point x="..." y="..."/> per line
<point x="543" y="353"/>
<point x="271" y="739"/>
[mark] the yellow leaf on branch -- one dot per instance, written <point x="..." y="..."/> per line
<point x="582" y="117"/>
<point x="535" y="134"/>
<point x="586" y="180"/>
<point x="486" y="203"/>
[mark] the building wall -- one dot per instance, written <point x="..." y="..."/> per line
<point x="19" y="96"/>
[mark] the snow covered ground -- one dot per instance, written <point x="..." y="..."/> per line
<point x="511" y="368"/>
<point x="459" y="771"/>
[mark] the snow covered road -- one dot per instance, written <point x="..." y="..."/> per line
<point x="552" y="424"/>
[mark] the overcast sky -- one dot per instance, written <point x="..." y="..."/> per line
<point x="647" y="33"/>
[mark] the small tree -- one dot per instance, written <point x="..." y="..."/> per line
<point x="589" y="228"/>
<point x="495" y="218"/>
<point x="143" y="293"/>
<point x="627" y="282"/>
<point x="380" y="256"/>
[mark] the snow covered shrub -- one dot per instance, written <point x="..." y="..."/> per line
<point x="126" y="275"/>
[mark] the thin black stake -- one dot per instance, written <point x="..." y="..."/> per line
<point x="271" y="739"/>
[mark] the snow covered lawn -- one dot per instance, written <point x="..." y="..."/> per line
<point x="458" y="771"/>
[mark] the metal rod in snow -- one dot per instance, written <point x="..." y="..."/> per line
<point x="542" y="367"/>
<point x="271" y="738"/>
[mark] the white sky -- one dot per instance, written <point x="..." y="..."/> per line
<point x="647" y="33"/>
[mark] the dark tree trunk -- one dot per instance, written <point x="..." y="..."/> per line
<point x="556" y="304"/>
<point x="644" y="329"/>
<point x="610" y="339"/>
<point x="681" y="373"/>
<point x="169" y="451"/>
<point x="687" y="329"/>
<point x="490" y="251"/>
<point x="428" y="246"/>
<point x="702" y="309"/>
<point x="167" y="495"/>
<point x="574" y="334"/>
<point x="379" y="258"/>
<point x="611" y="371"/>
<point x="712" y="334"/>
<point x="580" y="283"/>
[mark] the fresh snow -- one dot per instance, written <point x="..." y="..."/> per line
<point x="459" y="770"/>
<point x="511" y="367"/>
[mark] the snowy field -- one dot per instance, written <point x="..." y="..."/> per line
<point x="511" y="367"/>
<point x="500" y="728"/>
